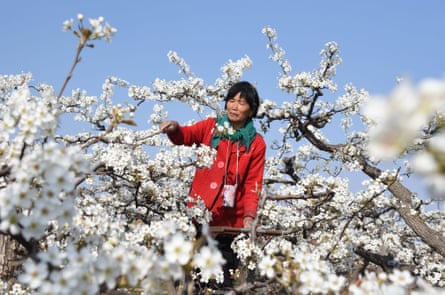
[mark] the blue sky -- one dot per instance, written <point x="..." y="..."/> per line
<point x="379" y="40"/>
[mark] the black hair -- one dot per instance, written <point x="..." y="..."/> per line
<point x="248" y="92"/>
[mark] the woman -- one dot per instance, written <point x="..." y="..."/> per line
<point x="231" y="187"/>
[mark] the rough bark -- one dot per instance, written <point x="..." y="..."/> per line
<point x="10" y="258"/>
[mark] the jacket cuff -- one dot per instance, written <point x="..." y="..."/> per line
<point x="250" y="214"/>
<point x="175" y="137"/>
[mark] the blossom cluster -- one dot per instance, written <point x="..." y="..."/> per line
<point x="300" y="267"/>
<point x="44" y="174"/>
<point x="225" y="129"/>
<point x="233" y="71"/>
<point x="278" y="52"/>
<point x="99" y="28"/>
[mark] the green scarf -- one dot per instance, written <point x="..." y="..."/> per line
<point x="224" y="129"/>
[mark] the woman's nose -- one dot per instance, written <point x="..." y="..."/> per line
<point x="235" y="104"/>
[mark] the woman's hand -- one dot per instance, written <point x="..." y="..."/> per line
<point x="247" y="222"/>
<point x="169" y="127"/>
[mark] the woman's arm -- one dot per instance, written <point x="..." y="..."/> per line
<point x="188" y="135"/>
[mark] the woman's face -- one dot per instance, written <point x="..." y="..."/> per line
<point x="238" y="111"/>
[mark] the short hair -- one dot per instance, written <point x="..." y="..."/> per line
<point x="248" y="92"/>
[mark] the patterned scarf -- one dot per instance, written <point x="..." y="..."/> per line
<point x="224" y="129"/>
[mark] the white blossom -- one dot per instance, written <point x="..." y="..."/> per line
<point x="34" y="275"/>
<point x="178" y="249"/>
<point x="266" y="266"/>
<point x="209" y="261"/>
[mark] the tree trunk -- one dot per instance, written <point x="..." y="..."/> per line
<point x="10" y="258"/>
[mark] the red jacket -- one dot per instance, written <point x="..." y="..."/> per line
<point x="208" y="182"/>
